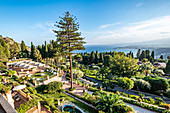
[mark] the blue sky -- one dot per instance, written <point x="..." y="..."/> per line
<point x="101" y="21"/>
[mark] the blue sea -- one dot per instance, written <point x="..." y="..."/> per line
<point x="107" y="48"/>
<point x="104" y="48"/>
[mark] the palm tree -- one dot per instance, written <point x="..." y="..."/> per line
<point x="108" y="102"/>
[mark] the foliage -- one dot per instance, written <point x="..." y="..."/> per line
<point x="125" y="83"/>
<point x="142" y="84"/>
<point x="11" y="72"/>
<point x="157" y="81"/>
<point x="112" y="103"/>
<point x="124" y="66"/>
<point x="54" y="86"/>
<point x="77" y="73"/>
<point x="167" y="69"/>
<point x="26" y="106"/>
<point x="68" y="37"/>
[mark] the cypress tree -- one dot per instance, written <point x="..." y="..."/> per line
<point x="23" y="46"/>
<point x="161" y="57"/>
<point x="46" y="50"/>
<point x="32" y="50"/>
<point x="43" y="51"/>
<point x="68" y="37"/>
<point x="96" y="57"/>
<point x="92" y="57"/>
<point x="138" y="53"/>
<point x="143" y="55"/>
<point x="101" y="59"/>
<point x="153" y="55"/>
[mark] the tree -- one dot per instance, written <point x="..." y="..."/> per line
<point x="68" y="37"/>
<point x="77" y="73"/>
<point x="54" y="86"/>
<point x="143" y="55"/>
<point x="125" y="83"/>
<point x="161" y="57"/>
<point x="101" y="59"/>
<point x="96" y="58"/>
<point x="32" y="49"/>
<point x="46" y="50"/>
<point x="123" y="66"/>
<point x="107" y="59"/>
<point x="138" y="53"/>
<point x="167" y="69"/>
<point x="153" y="55"/>
<point x="23" y="46"/>
<point x="36" y="54"/>
<point x="92" y="57"/>
<point x="102" y="71"/>
<point x="86" y="59"/>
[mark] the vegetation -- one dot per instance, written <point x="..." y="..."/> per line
<point x="110" y="103"/>
<point x="52" y="87"/>
<point x="123" y="66"/>
<point x="68" y="37"/>
<point x="125" y="83"/>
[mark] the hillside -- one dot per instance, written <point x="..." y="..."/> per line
<point x="9" y="48"/>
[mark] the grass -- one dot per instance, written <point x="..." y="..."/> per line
<point x="76" y="102"/>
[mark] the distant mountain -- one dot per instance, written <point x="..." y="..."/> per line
<point x="158" y="43"/>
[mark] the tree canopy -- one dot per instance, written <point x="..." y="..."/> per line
<point x="123" y="65"/>
<point x="68" y="37"/>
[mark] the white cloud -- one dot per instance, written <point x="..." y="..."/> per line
<point x="156" y="28"/>
<point x="139" y="4"/>
<point x="108" y="25"/>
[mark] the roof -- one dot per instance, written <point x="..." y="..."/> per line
<point x="159" y="64"/>
<point x="7" y="108"/>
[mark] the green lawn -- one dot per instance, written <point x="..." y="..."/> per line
<point x="76" y="102"/>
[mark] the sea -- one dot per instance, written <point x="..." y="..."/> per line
<point x="119" y="48"/>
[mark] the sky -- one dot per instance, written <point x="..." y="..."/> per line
<point x="102" y="22"/>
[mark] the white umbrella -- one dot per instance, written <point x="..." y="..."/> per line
<point x="19" y="87"/>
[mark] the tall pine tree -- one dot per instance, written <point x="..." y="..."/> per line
<point x="68" y="37"/>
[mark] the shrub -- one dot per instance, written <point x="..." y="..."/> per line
<point x="54" y="86"/>
<point x="142" y="84"/>
<point x="125" y="83"/>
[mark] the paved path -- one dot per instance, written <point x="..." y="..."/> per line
<point x="77" y="91"/>
<point x="132" y="92"/>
